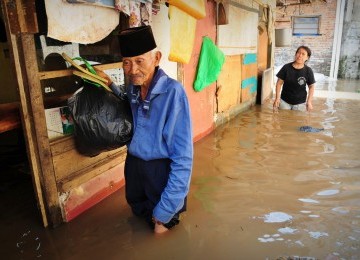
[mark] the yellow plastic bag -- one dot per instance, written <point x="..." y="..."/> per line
<point x="182" y="35"/>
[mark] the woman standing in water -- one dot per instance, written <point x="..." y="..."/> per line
<point x="293" y="78"/>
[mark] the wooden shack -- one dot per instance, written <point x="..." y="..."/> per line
<point x="66" y="183"/>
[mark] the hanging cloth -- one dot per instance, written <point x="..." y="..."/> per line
<point x="182" y="43"/>
<point x="79" y="23"/>
<point x="183" y="16"/>
<point x="123" y="6"/>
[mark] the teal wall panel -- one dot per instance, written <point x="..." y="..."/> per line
<point x="249" y="58"/>
<point x="250" y="83"/>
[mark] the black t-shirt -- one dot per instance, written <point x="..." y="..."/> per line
<point x="295" y="81"/>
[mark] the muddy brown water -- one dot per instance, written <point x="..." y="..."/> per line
<point x="261" y="189"/>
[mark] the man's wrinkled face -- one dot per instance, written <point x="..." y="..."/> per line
<point x="140" y="69"/>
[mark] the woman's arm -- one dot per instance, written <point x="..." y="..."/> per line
<point x="279" y="84"/>
<point x="309" y="106"/>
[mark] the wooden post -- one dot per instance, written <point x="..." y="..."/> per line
<point x="31" y="145"/>
<point x="11" y="20"/>
<point x="40" y="129"/>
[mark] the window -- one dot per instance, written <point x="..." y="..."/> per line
<point x="308" y="25"/>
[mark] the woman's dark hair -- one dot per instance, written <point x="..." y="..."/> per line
<point x="307" y="49"/>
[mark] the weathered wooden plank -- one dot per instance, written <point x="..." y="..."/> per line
<point x="38" y="114"/>
<point x="12" y="16"/>
<point x="54" y="74"/>
<point x="114" y="65"/>
<point x="245" y="95"/>
<point x="65" y="144"/>
<point x="263" y="51"/>
<point x="248" y="76"/>
<point x="62" y="145"/>
<point x="229" y="83"/>
<point x="27" y="123"/>
<point x="249" y="70"/>
<point x="63" y="73"/>
<point x="80" y="177"/>
<point x="22" y="16"/>
<point x="27" y="16"/>
<point x="249" y="58"/>
<point x="64" y="152"/>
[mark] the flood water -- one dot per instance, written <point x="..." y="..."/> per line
<point x="261" y="189"/>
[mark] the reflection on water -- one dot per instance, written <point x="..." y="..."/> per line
<point x="261" y="189"/>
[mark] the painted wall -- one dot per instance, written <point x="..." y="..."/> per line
<point x="161" y="29"/>
<point x="349" y="66"/>
<point x="201" y="103"/>
<point x="240" y="35"/>
<point x="237" y="39"/>
<point x="320" y="45"/>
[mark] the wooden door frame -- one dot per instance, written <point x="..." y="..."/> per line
<point x="20" y="33"/>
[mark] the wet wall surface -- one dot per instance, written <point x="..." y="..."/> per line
<point x="261" y="189"/>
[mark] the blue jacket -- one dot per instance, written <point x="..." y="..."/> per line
<point x="162" y="129"/>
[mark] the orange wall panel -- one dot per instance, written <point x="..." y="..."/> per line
<point x="201" y="103"/>
<point x="229" y="83"/>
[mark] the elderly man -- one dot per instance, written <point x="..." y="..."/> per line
<point x="159" y="159"/>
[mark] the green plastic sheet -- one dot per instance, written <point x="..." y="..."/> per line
<point x="210" y="63"/>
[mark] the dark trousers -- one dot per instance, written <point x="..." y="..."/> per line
<point x="144" y="183"/>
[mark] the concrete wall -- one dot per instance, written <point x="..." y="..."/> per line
<point x="320" y="45"/>
<point x="349" y="66"/>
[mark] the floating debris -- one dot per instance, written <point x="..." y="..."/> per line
<point x="309" y="200"/>
<point x="297" y="258"/>
<point x="328" y="192"/>
<point x="310" y="129"/>
<point x="277" y="217"/>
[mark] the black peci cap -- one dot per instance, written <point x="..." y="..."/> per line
<point x="136" y="41"/>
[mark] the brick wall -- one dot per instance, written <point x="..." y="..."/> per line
<point x="320" y="45"/>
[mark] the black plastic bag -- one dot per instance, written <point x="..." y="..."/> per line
<point x="102" y="121"/>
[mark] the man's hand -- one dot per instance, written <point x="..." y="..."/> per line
<point x="103" y="75"/>
<point x="160" y="229"/>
